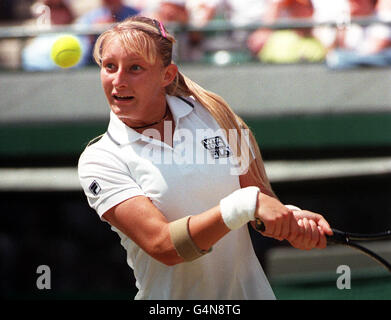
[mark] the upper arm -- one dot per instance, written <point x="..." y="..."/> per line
<point x="145" y="224"/>
<point x="105" y="179"/>
<point x="119" y="200"/>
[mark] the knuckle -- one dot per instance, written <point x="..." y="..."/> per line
<point x="287" y="214"/>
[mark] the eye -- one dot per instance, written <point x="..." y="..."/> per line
<point x="109" y="66"/>
<point x="136" y="67"/>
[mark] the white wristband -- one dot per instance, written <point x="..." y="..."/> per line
<point x="239" y="207"/>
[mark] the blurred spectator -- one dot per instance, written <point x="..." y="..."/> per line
<point x="6" y="10"/>
<point x="331" y="11"/>
<point x="60" y="11"/>
<point x="228" y="44"/>
<point x="36" y="54"/>
<point x="383" y="8"/>
<point x="167" y="11"/>
<point x="15" y="12"/>
<point x="356" y="45"/>
<point x="12" y="12"/>
<point x="174" y="12"/>
<point x="239" y="13"/>
<point x="137" y="4"/>
<point x="110" y="11"/>
<point x="286" y="46"/>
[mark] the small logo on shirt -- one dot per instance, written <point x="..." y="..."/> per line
<point x="217" y="147"/>
<point x="95" y="188"/>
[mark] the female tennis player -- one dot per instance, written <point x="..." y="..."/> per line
<point x="162" y="176"/>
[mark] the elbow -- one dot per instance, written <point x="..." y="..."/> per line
<point x="169" y="258"/>
<point x="172" y="262"/>
<point x="165" y="252"/>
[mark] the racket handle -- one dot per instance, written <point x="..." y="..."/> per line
<point x="338" y="237"/>
<point x="259" y="225"/>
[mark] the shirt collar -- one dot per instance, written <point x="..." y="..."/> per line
<point x="120" y="133"/>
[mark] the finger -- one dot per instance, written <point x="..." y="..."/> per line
<point x="294" y="230"/>
<point x="322" y="239"/>
<point x="321" y="221"/>
<point x="300" y="236"/>
<point x="286" y="224"/>
<point x="318" y="218"/>
<point x="325" y="226"/>
<point x="298" y="241"/>
<point x="314" y="234"/>
<point x="307" y="234"/>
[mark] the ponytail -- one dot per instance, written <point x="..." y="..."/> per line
<point x="227" y="119"/>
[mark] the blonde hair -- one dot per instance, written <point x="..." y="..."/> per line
<point x="148" y="38"/>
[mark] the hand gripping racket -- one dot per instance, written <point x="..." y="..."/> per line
<point x="350" y="240"/>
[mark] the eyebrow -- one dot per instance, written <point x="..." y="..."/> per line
<point x="132" y="60"/>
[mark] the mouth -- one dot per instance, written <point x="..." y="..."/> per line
<point x="122" y="98"/>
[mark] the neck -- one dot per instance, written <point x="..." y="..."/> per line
<point x="154" y="123"/>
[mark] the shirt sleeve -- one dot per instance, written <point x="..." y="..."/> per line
<point x="106" y="180"/>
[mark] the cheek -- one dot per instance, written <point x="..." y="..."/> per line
<point x="106" y="83"/>
<point x="158" y="83"/>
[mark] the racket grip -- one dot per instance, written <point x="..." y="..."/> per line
<point x="338" y="237"/>
<point x="259" y="225"/>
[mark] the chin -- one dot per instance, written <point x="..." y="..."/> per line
<point x="119" y="112"/>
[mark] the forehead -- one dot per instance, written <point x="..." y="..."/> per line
<point x="114" y="47"/>
<point x="128" y="47"/>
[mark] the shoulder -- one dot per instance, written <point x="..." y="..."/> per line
<point x="100" y="151"/>
<point x="190" y="101"/>
<point x="193" y="103"/>
<point x="98" y="143"/>
<point x="95" y="140"/>
<point x="202" y="112"/>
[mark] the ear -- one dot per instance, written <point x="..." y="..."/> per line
<point x="169" y="75"/>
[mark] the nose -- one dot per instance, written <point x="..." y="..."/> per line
<point x="120" y="79"/>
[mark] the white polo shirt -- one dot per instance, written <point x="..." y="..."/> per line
<point x="188" y="178"/>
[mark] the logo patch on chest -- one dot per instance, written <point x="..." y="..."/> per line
<point x="217" y="147"/>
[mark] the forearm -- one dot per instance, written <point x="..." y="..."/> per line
<point x="207" y="228"/>
<point x="195" y="236"/>
<point x="188" y="238"/>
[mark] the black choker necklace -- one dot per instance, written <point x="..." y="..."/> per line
<point x="152" y="124"/>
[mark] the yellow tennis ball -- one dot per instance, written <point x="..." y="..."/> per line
<point x="66" y="51"/>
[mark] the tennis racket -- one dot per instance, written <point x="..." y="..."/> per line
<point x="350" y="240"/>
